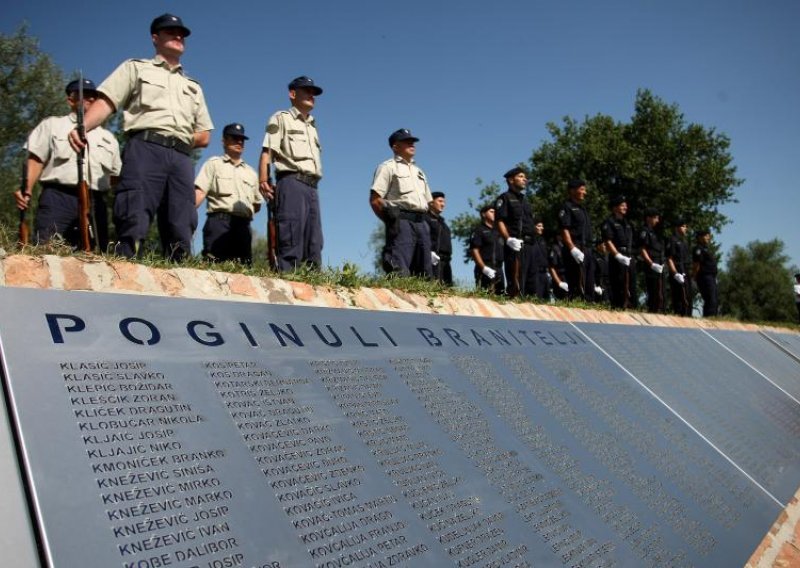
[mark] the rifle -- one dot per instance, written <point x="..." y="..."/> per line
<point x="272" y="231"/>
<point x="83" y="185"/>
<point x="24" y="231"/>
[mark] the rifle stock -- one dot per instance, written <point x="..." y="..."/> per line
<point x="83" y="185"/>
<point x="272" y="232"/>
<point x="24" y="231"/>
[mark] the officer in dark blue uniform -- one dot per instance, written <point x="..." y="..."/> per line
<point x="576" y="232"/>
<point x="486" y="247"/>
<point x="514" y="219"/>
<point x="537" y="265"/>
<point x="704" y="271"/>
<point x="617" y="233"/>
<point x="651" y="250"/>
<point x="441" y="240"/>
<point x="679" y="263"/>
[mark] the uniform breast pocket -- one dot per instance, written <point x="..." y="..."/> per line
<point x="405" y="183"/>
<point x="152" y="90"/>
<point x="103" y="155"/>
<point x="225" y="186"/>
<point x="298" y="145"/>
<point x="250" y="189"/>
<point x="189" y="101"/>
<point x="62" y="152"/>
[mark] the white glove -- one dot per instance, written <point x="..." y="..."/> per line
<point x="514" y="244"/>
<point x="622" y="259"/>
<point x="434" y="258"/>
<point x="657" y="268"/>
<point x="679" y="278"/>
<point x="598" y="290"/>
<point x="577" y="254"/>
<point x="490" y="273"/>
<point x="564" y="286"/>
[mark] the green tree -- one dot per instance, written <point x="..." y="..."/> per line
<point x="656" y="159"/>
<point x="377" y="239"/>
<point x="757" y="283"/>
<point x="31" y="88"/>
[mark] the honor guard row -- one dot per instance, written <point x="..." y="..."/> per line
<point x="165" y="119"/>
<point x="509" y="242"/>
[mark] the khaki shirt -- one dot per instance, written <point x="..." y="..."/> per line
<point x="229" y="188"/>
<point x="155" y="97"/>
<point x="48" y="142"/>
<point x="293" y="143"/>
<point x="403" y="184"/>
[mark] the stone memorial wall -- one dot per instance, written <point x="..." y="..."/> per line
<point x="149" y="432"/>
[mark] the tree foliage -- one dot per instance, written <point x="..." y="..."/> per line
<point x="377" y="239"/>
<point x="757" y="283"/>
<point x="31" y="88"/>
<point x="656" y="159"/>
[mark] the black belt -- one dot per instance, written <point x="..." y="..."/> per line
<point x="308" y="179"/>
<point x="166" y="141"/>
<point x="413" y="216"/>
<point x="66" y="188"/>
<point x="229" y="216"/>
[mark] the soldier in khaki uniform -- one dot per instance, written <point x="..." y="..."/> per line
<point x="231" y="187"/>
<point x="291" y="144"/>
<point x="165" y="118"/>
<point x="399" y="197"/>
<point x="52" y="162"/>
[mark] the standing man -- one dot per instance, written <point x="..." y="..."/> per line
<point x="399" y="196"/>
<point x="651" y="250"/>
<point x="576" y="232"/>
<point x="679" y="263"/>
<point x="441" y="244"/>
<point x="486" y="248"/>
<point x="292" y="145"/>
<point x="52" y="162"/>
<point x="514" y="219"/>
<point x="165" y="118"/>
<point x="536" y="273"/>
<point x="231" y="187"/>
<point x="618" y="235"/>
<point x="704" y="272"/>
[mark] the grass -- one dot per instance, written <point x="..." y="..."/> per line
<point x="347" y="276"/>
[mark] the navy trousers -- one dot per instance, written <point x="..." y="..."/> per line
<point x="408" y="248"/>
<point x="57" y="214"/>
<point x="299" y="225"/>
<point x="154" y="181"/>
<point x="227" y="237"/>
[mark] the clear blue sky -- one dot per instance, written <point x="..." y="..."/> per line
<point x="475" y="81"/>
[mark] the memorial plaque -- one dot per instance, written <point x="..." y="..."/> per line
<point x="741" y="413"/>
<point x="766" y="357"/>
<point x="786" y="341"/>
<point x="167" y="432"/>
